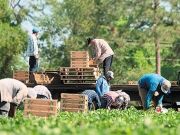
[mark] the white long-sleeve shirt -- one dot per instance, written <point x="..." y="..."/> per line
<point x="32" y="49"/>
<point x="12" y="90"/>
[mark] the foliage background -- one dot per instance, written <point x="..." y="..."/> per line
<point x="132" y="28"/>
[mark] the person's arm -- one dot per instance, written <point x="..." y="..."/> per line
<point x="12" y="111"/>
<point x="98" y="87"/>
<point x="35" y="47"/>
<point x="98" y="101"/>
<point x="98" y="52"/>
<point x="148" y="99"/>
<point x="19" y="96"/>
<point x="109" y="103"/>
<point x="160" y="100"/>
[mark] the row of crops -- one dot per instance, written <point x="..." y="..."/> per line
<point x="99" y="122"/>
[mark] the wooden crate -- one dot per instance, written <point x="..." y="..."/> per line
<point x="79" y="54"/>
<point x="74" y="102"/>
<point x="21" y="75"/>
<point x="40" y="107"/>
<point x="74" y="96"/>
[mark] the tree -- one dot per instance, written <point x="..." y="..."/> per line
<point x="12" y="40"/>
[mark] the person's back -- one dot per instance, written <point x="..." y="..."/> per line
<point x="102" y="86"/>
<point x="42" y="92"/>
<point x="92" y="96"/>
<point x="12" y="92"/>
<point x="148" y="80"/>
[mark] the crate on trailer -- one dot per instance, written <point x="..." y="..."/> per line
<point x="79" y="54"/>
<point x="74" y="102"/>
<point x="21" y="75"/>
<point x="40" y="107"/>
<point x="41" y="78"/>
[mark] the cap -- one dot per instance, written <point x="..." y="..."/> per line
<point x="110" y="74"/>
<point x="166" y="85"/>
<point x="89" y="40"/>
<point x="35" y="30"/>
<point x="31" y="93"/>
<point x="120" y="99"/>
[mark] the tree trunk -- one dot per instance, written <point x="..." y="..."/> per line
<point x="156" y="37"/>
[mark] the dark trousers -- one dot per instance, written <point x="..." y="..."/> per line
<point x="33" y="64"/>
<point x="4" y="108"/>
<point x="107" y="64"/>
<point x="41" y="96"/>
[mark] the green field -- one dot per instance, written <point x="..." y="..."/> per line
<point x="99" y="122"/>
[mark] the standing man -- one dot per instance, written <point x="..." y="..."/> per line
<point x="32" y="51"/>
<point x="92" y="97"/>
<point x="12" y="92"/>
<point x="103" y="84"/>
<point x="112" y="100"/>
<point x="42" y="92"/>
<point x="103" y="53"/>
<point x="153" y="87"/>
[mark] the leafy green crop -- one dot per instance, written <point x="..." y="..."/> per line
<point x="99" y="122"/>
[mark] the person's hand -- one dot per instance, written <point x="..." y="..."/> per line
<point x="36" y="57"/>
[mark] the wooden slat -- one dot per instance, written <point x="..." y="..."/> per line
<point x="73" y="105"/>
<point x="74" y="96"/>
<point x="38" y="113"/>
<point x="41" y="101"/>
<point x="73" y="110"/>
<point x="29" y="107"/>
<point x="80" y="101"/>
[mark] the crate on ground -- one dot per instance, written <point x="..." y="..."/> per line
<point x="21" y="75"/>
<point x="73" y="102"/>
<point x="40" y="108"/>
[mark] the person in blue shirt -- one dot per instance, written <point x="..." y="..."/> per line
<point x="103" y="84"/>
<point x="153" y="87"/>
<point x="92" y="97"/>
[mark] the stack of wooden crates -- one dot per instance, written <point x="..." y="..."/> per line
<point x="74" y="102"/>
<point x="21" y="75"/>
<point x="40" y="107"/>
<point x="79" y="59"/>
<point x="79" y="72"/>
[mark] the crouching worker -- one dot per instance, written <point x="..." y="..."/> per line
<point x="126" y="99"/>
<point x="112" y="100"/>
<point x="12" y="92"/>
<point x="153" y="87"/>
<point x="42" y="92"/>
<point x="93" y="99"/>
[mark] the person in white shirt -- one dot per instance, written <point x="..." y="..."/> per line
<point x="32" y="51"/>
<point x="12" y="92"/>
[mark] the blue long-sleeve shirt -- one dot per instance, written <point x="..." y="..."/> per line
<point x="152" y="82"/>
<point x="102" y="86"/>
<point x="92" y="95"/>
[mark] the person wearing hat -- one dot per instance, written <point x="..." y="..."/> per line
<point x="126" y="99"/>
<point x="153" y="87"/>
<point x="103" y="84"/>
<point x="103" y="53"/>
<point x="112" y="100"/>
<point x="42" y="92"/>
<point x="32" y="50"/>
<point x="12" y="92"/>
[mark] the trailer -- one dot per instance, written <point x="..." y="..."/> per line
<point x="58" y="83"/>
